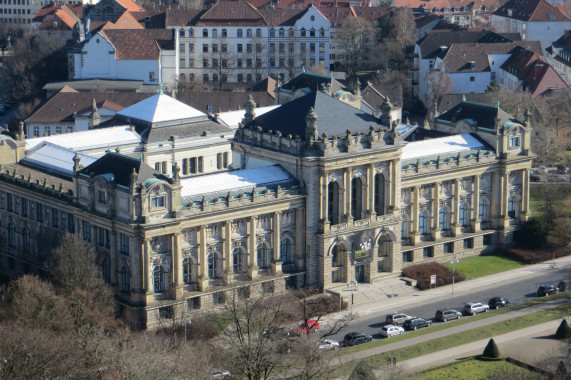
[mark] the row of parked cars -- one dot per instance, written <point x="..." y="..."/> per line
<point x="547" y="290"/>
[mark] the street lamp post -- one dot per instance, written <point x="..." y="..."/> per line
<point x="453" y="262"/>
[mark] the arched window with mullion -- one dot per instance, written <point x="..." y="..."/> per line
<point x="26" y="240"/>
<point x="333" y="202"/>
<point x="423" y="223"/>
<point x="444" y="218"/>
<point x="380" y="194"/>
<point x="125" y="283"/>
<point x="483" y="210"/>
<point x="158" y="279"/>
<point x="213" y="265"/>
<point x="238" y="260"/>
<point x="263" y="256"/>
<point x="286" y="254"/>
<point x="463" y="215"/>
<point x="356" y="198"/>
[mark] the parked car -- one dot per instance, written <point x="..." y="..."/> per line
<point x="354" y="338"/>
<point x="219" y="373"/>
<point x="313" y="325"/>
<point x="472" y="308"/>
<point x="498" y="302"/>
<point x="391" y="330"/>
<point x="447" y="314"/>
<point x="397" y="318"/>
<point x="328" y="344"/>
<point x="546" y="290"/>
<point x="563" y="285"/>
<point x="416" y="323"/>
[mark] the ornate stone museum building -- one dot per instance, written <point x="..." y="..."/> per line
<point x="318" y="194"/>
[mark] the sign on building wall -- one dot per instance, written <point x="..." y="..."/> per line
<point x="362" y="251"/>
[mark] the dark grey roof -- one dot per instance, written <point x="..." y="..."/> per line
<point x="313" y="82"/>
<point x="183" y="130"/>
<point x="484" y="114"/>
<point x="333" y="116"/>
<point x="431" y="44"/>
<point x="121" y="167"/>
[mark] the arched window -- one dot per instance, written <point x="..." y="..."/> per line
<point x="380" y="194"/>
<point x="158" y="279"/>
<point x="483" y="210"/>
<point x="186" y="270"/>
<point x="302" y="32"/>
<point x="204" y="32"/>
<point x="238" y="260"/>
<point x="291" y="32"/>
<point x="286" y="251"/>
<point x="312" y="33"/>
<point x="106" y="271"/>
<point x="337" y="256"/>
<point x="404" y="227"/>
<point x="321" y="32"/>
<point x="385" y="245"/>
<point x="263" y="256"/>
<point x="205" y="78"/>
<point x="444" y="218"/>
<point x="213" y="265"/>
<point x="258" y="32"/>
<point x="282" y="32"/>
<point x="249" y="33"/>
<point x="356" y="198"/>
<point x="272" y="32"/>
<point x="423" y="223"/>
<point x="125" y="284"/>
<point x="214" y="33"/>
<point x="511" y="207"/>
<point x="224" y="33"/>
<point x="26" y="246"/>
<point x="239" y="33"/>
<point x="11" y="235"/>
<point x="333" y="202"/>
<point x="463" y="216"/>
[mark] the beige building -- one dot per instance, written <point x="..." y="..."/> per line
<point x="323" y="195"/>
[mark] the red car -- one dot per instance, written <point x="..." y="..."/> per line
<point x="312" y="324"/>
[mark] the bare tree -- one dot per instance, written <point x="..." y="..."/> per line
<point x="223" y="62"/>
<point x="402" y="26"/>
<point x="257" y="60"/>
<point x="438" y="83"/>
<point x="355" y="37"/>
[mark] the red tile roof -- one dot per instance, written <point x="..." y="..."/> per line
<point x="139" y="44"/>
<point x="231" y="13"/>
<point x="531" y="10"/>
<point x="130" y="5"/>
<point x="564" y="7"/>
<point x="125" y="21"/>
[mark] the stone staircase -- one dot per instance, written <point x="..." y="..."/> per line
<point x="380" y="289"/>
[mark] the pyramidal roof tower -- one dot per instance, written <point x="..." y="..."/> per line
<point x="161" y="108"/>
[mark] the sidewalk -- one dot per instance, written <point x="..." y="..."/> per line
<point x="383" y="303"/>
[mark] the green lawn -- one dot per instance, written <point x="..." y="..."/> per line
<point x="472" y="369"/>
<point x="405" y="353"/>
<point x="484" y="265"/>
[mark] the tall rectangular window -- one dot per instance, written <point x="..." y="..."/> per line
<point x="24" y="207"/>
<point x="39" y="212"/>
<point x="124" y="244"/>
<point x="200" y="164"/>
<point x="86" y="230"/>
<point x="185" y="166"/>
<point x="103" y="238"/>
<point x="225" y="160"/>
<point x="55" y="218"/>
<point x="193" y="165"/>
<point x="219" y="161"/>
<point x="70" y="223"/>
<point x="9" y="202"/>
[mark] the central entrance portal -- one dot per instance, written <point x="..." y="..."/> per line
<point x="360" y="273"/>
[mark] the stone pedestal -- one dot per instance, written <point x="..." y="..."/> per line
<point x="277" y="267"/>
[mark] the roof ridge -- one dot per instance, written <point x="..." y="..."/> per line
<point x="258" y="12"/>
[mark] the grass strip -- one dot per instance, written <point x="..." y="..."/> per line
<point x="454" y="340"/>
<point x="480" y="266"/>
<point x="471" y="369"/>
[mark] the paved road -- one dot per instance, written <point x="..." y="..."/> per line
<point x="517" y="291"/>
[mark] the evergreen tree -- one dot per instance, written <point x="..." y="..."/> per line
<point x="491" y="350"/>
<point x="362" y="372"/>
<point x="563" y="331"/>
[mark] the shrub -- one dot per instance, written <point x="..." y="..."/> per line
<point x="491" y="350"/>
<point x="422" y="272"/>
<point x="533" y="234"/>
<point x="563" y="331"/>
<point x="562" y="229"/>
<point x="362" y="372"/>
<point x="534" y="256"/>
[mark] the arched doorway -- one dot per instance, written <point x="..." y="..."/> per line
<point x="338" y="259"/>
<point x="384" y="252"/>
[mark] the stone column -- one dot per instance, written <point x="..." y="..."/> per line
<point x="299" y="243"/>
<point x="253" y="256"/>
<point x="524" y="195"/>
<point x="276" y="263"/>
<point x="414" y="234"/>
<point x="227" y="248"/>
<point x="437" y="233"/>
<point x="371" y="190"/>
<point x="476" y="204"/>
<point x="113" y="257"/>
<point x="505" y="196"/>
<point x="202" y="262"/>
<point x="177" y="265"/>
<point x="496" y="201"/>
<point x="146" y="275"/>
<point x="456" y="228"/>
<point x="346" y="212"/>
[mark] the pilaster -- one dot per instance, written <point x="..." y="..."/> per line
<point x="436" y="232"/>
<point x="227" y="248"/>
<point x="253" y="256"/>
<point x="414" y="234"/>
<point x="276" y="263"/>
<point x="370" y="190"/>
<point x="456" y="228"/>
<point x="177" y="264"/>
<point x="113" y="254"/>
<point x="476" y="204"/>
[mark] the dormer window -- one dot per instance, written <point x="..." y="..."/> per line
<point x="101" y="196"/>
<point x="514" y="142"/>
<point x="158" y="202"/>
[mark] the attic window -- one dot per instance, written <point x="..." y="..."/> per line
<point x="510" y="13"/>
<point x="97" y="40"/>
<point x="312" y="18"/>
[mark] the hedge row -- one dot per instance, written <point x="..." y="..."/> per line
<point x="422" y="272"/>
<point x="534" y="256"/>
